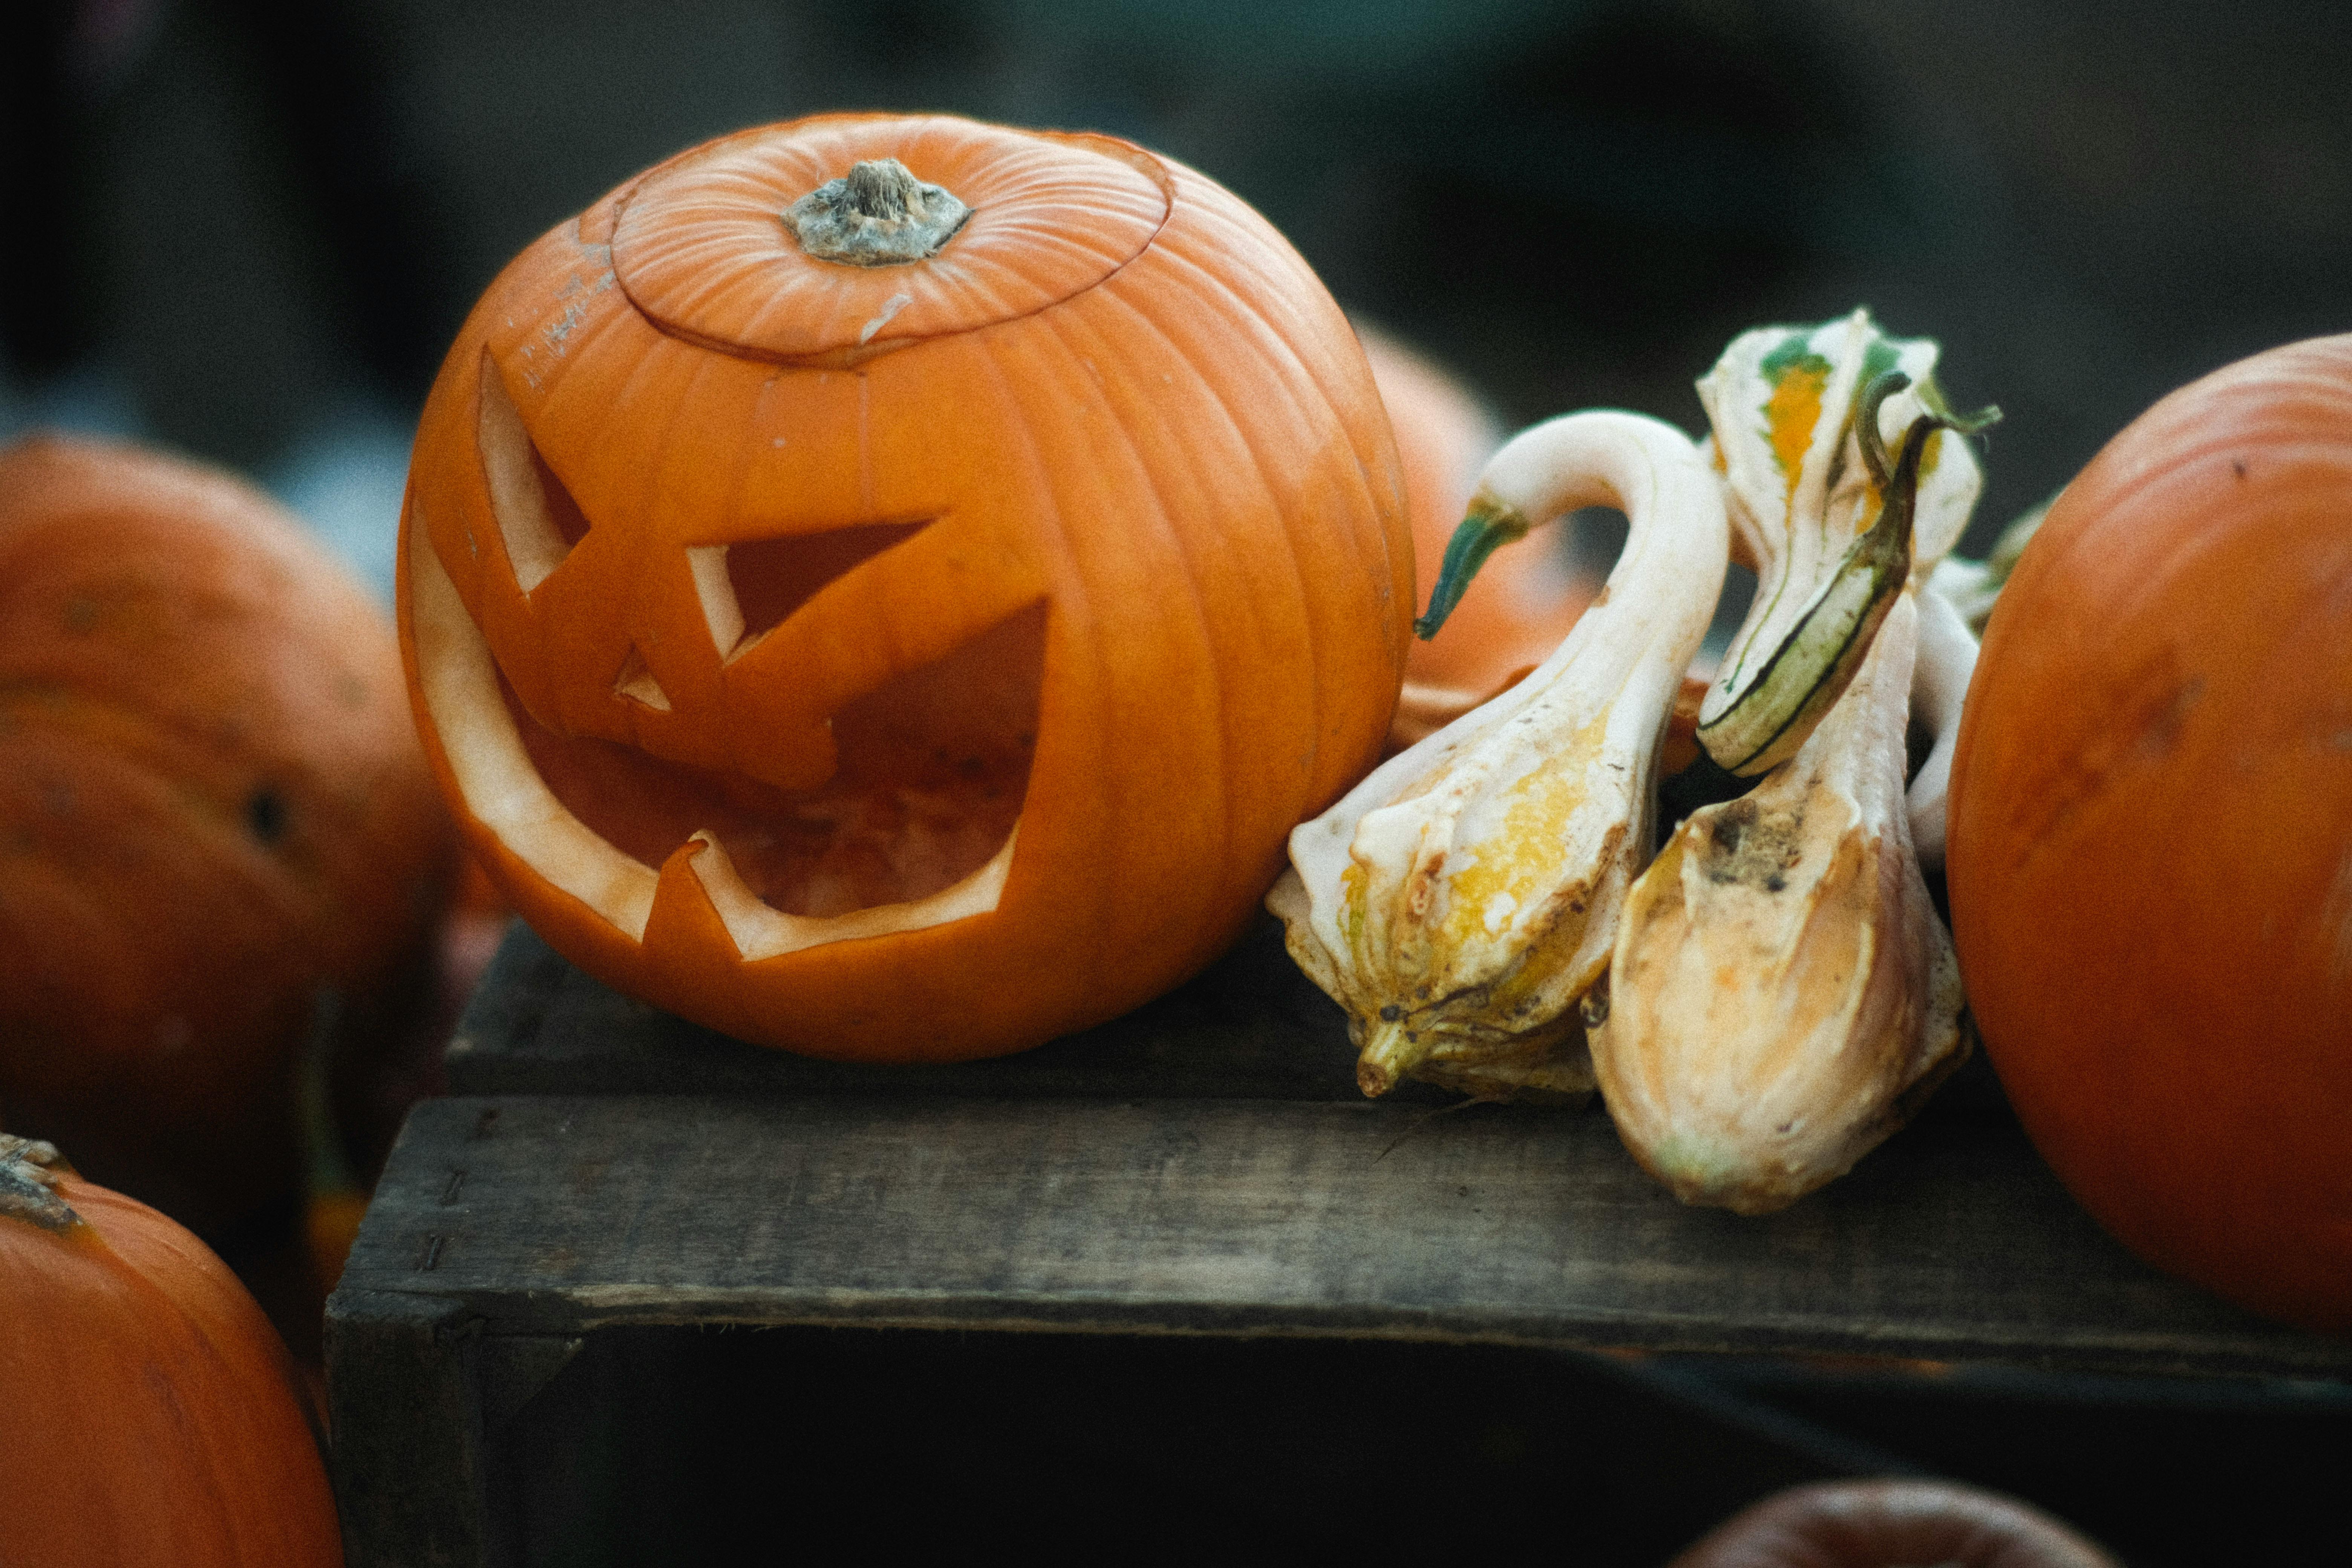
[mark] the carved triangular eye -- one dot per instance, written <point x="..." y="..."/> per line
<point x="636" y="681"/>
<point x="749" y="588"/>
<point x="537" y="516"/>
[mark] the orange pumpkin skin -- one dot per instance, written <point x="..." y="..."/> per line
<point x="1091" y="523"/>
<point x="2150" y="853"/>
<point x="152" y="1417"/>
<point x="1523" y="601"/>
<point x="216" y="827"/>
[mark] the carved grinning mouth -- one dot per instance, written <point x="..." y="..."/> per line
<point x="915" y="827"/>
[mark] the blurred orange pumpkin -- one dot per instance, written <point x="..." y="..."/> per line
<point x="218" y="838"/>
<point x="2150" y="852"/>
<point x="152" y="1418"/>
<point x="914" y="652"/>
<point x="1520" y="605"/>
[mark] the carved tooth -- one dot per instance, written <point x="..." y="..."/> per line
<point x="1463" y="897"/>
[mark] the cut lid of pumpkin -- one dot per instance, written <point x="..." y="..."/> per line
<point x="760" y="245"/>
<point x="1462" y="899"/>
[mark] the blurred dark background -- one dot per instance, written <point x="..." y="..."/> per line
<point x="248" y="228"/>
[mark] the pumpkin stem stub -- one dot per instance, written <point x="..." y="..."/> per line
<point x="877" y="215"/>
<point x="28" y="1184"/>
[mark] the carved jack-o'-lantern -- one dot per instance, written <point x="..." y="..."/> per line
<point x="887" y="586"/>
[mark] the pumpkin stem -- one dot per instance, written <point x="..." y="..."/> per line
<point x="877" y="215"/>
<point x="28" y="1184"/>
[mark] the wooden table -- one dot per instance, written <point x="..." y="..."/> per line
<point x="1202" y="1166"/>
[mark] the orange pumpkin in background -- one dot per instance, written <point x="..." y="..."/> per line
<point x="152" y="1418"/>
<point x="2150" y="850"/>
<point x="218" y="837"/>
<point x="887" y="586"/>
<point x="1527" y="595"/>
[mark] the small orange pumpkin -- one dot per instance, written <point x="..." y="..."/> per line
<point x="887" y="586"/>
<point x="1527" y="597"/>
<point x="152" y="1418"/>
<point x="217" y="832"/>
<point x="2151" y="842"/>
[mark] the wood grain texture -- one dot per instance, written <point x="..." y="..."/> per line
<point x="1249" y="1026"/>
<point x="557" y="1216"/>
<point x="1201" y="1166"/>
<point x="407" y="1455"/>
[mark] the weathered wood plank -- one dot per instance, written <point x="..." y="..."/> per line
<point x="554" y="1216"/>
<point x="407" y="1451"/>
<point x="1249" y="1027"/>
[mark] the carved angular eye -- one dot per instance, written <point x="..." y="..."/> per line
<point x="749" y="588"/>
<point x="537" y="516"/>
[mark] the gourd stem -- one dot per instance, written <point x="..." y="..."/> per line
<point x="1390" y="1051"/>
<point x="1488" y="526"/>
<point x="1866" y="426"/>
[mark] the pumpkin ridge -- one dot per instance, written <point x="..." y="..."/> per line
<point x="210" y="1398"/>
<point x="1070" y="617"/>
<point x="1213" y="395"/>
<point x="1172" y="541"/>
<point x="1232" y="300"/>
<point x="1312" y="724"/>
<point x="668" y="578"/>
<point x="1309" y="374"/>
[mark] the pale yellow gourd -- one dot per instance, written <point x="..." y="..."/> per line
<point x="1782" y="991"/>
<point x="1461" y="900"/>
<point x="1774" y="993"/>
<point x="1784" y="995"/>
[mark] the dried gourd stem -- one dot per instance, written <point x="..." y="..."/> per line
<point x="29" y="1169"/>
<point x="877" y="215"/>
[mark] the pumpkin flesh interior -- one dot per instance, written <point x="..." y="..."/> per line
<point x="933" y="768"/>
